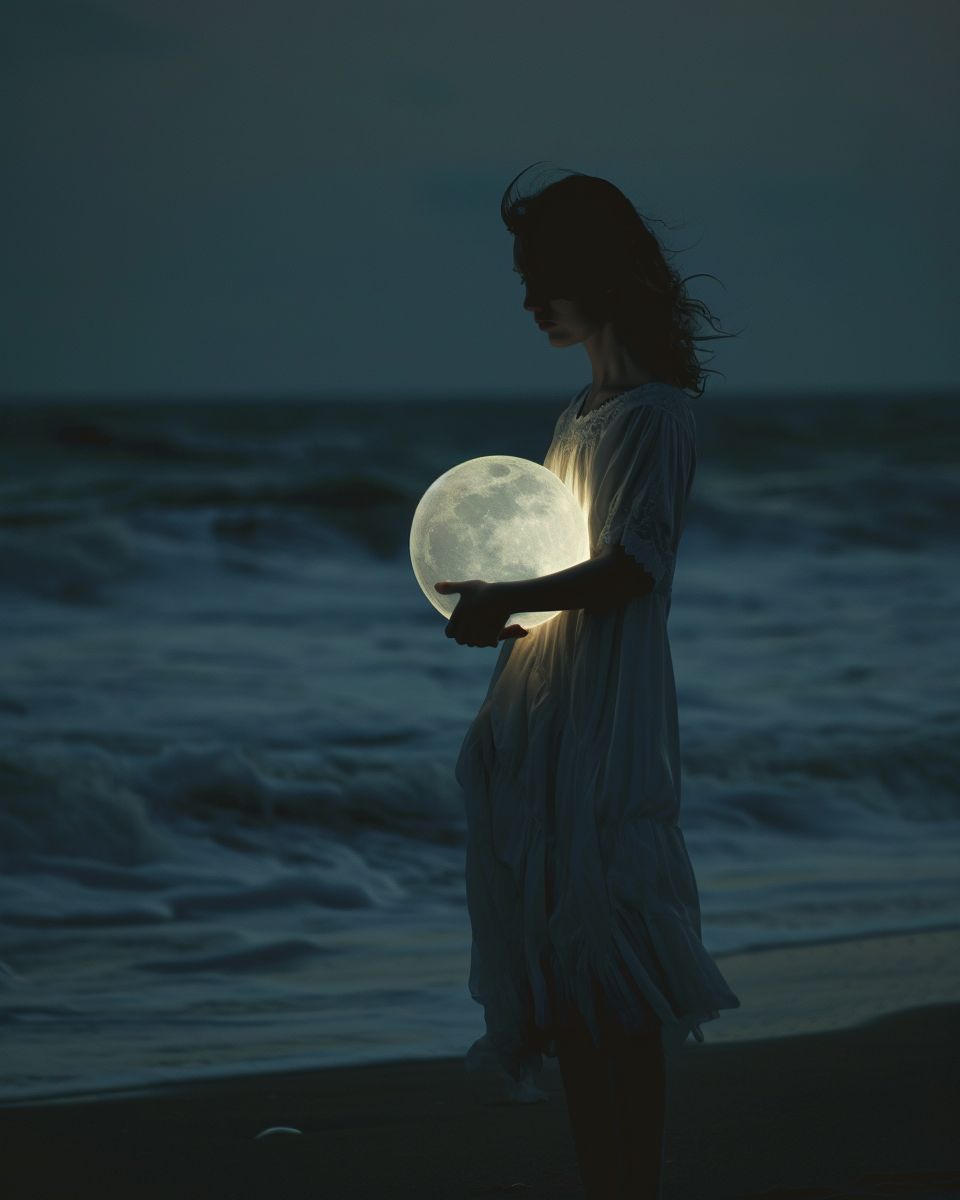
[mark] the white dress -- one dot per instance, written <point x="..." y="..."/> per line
<point x="578" y="881"/>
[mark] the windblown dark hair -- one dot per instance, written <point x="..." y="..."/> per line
<point x="580" y="238"/>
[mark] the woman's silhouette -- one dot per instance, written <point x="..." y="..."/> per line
<point x="582" y="899"/>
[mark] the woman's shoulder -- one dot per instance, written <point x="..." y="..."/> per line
<point x="659" y="397"/>
<point x="635" y="405"/>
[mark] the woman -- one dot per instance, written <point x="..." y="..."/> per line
<point x="582" y="899"/>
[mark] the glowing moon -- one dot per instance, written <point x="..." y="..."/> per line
<point x="496" y="518"/>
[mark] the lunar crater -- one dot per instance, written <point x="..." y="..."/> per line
<point x="496" y="518"/>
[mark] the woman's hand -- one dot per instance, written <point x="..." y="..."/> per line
<point x="479" y="616"/>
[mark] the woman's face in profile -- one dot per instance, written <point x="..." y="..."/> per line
<point x="565" y="322"/>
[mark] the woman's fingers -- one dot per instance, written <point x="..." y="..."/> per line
<point x="476" y="615"/>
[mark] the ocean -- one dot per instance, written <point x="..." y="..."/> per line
<point x="230" y="834"/>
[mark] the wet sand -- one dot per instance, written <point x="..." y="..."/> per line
<point x="867" y="1110"/>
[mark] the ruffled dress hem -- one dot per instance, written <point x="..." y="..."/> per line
<point x="632" y="998"/>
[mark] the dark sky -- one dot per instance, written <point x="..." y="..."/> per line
<point x="267" y="198"/>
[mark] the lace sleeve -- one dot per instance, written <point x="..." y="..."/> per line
<point x="645" y="487"/>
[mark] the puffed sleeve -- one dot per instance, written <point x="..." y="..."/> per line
<point x="644" y="484"/>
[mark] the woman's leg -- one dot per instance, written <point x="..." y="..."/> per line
<point x="616" y="1098"/>
<point x="639" y="1084"/>
<point x="593" y="1118"/>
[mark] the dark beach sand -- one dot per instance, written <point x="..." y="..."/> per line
<point x="868" y="1111"/>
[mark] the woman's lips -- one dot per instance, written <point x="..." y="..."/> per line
<point x="546" y="324"/>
